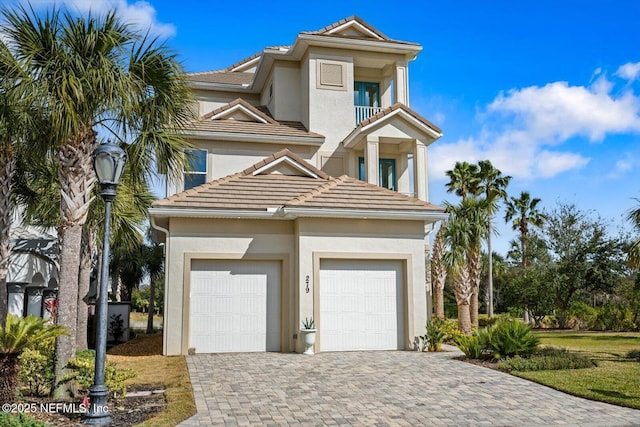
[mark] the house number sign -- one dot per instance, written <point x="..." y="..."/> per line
<point x="306" y="281"/>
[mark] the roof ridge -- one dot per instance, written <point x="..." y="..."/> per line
<point x="316" y="191"/>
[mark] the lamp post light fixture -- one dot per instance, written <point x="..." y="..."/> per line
<point x="108" y="163"/>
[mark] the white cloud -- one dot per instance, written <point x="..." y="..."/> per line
<point x="139" y="14"/>
<point x="629" y="71"/>
<point x="524" y="130"/>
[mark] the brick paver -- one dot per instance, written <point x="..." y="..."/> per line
<point x="395" y="388"/>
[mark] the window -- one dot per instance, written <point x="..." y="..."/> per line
<point x="386" y="172"/>
<point x="366" y="94"/>
<point x="196" y="171"/>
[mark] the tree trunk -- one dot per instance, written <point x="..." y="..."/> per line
<point x="490" y="273"/>
<point x="77" y="179"/>
<point x="464" y="319"/>
<point x="84" y="281"/>
<point x="475" y="270"/>
<point x="438" y="271"/>
<point x="67" y="301"/>
<point x="7" y="166"/>
<point x="9" y="369"/>
<point x="152" y="299"/>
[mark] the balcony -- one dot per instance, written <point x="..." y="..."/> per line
<point x="363" y="113"/>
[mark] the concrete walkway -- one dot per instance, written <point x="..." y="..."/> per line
<point x="396" y="388"/>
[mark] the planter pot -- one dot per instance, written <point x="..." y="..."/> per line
<point x="308" y="339"/>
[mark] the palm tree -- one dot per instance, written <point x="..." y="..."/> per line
<point x="473" y="211"/>
<point x="15" y="337"/>
<point x="463" y="179"/>
<point x="457" y="238"/>
<point x="438" y="269"/>
<point x="633" y="253"/>
<point x="154" y="267"/>
<point x="17" y="119"/>
<point x="97" y="72"/>
<point x="37" y="191"/>
<point x="493" y="184"/>
<point x="523" y="211"/>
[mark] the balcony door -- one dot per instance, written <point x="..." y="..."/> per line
<point x="366" y="100"/>
<point x="386" y="173"/>
<point x="366" y="94"/>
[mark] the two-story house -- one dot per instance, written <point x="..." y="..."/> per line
<point x="305" y="197"/>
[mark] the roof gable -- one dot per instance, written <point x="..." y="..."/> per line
<point x="352" y="26"/>
<point x="239" y="110"/>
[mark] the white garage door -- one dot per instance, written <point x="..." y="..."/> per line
<point x="234" y="306"/>
<point x="361" y="305"/>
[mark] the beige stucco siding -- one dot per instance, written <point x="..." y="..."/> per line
<point x="193" y="238"/>
<point x="363" y="239"/>
<point x="286" y="85"/>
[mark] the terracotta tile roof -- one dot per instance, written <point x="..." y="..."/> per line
<point x="359" y="20"/>
<point x="245" y="191"/>
<point x="283" y="128"/>
<point x="326" y="31"/>
<point x="223" y="77"/>
<point x="273" y="127"/>
<point x="394" y="107"/>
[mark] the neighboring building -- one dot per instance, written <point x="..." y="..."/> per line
<point x="32" y="279"/>
<point x="306" y="197"/>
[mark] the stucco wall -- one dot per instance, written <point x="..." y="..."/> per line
<point x="218" y="239"/>
<point x="286" y="86"/>
<point x="364" y="239"/>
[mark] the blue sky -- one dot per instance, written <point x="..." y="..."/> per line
<point x="549" y="91"/>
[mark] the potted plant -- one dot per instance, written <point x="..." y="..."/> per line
<point x="308" y="333"/>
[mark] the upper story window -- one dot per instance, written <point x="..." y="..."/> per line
<point x="386" y="173"/>
<point x="366" y="99"/>
<point x="195" y="173"/>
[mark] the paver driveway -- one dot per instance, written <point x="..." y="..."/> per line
<point x="379" y="388"/>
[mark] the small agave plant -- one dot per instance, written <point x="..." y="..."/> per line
<point x="308" y="323"/>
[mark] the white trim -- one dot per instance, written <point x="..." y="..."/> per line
<point x="296" y="212"/>
<point x="354" y="23"/>
<point x="235" y="108"/>
<point x="372" y="45"/>
<point x="289" y="161"/>
<point x="247" y="64"/>
<point x="231" y="136"/>
<point x="179" y="212"/>
<point x="347" y="142"/>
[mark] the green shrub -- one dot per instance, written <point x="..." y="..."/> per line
<point x="435" y="334"/>
<point x="634" y="354"/>
<point x="614" y="317"/>
<point x="547" y="359"/>
<point x="581" y="315"/>
<point x="83" y="368"/>
<point x="470" y="345"/>
<point x="450" y="329"/>
<point x="36" y="368"/>
<point x="18" y="420"/>
<point x="509" y="338"/>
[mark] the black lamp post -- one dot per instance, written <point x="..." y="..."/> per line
<point x="108" y="163"/>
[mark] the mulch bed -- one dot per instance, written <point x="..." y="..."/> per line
<point x="124" y="411"/>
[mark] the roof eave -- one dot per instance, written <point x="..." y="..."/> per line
<point x="224" y="87"/>
<point x="408" y="49"/>
<point x="353" y="138"/>
<point x="250" y="137"/>
<point x="302" y="212"/>
<point x="182" y="212"/>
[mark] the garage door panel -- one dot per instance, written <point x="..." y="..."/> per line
<point x="235" y="306"/>
<point x="361" y="305"/>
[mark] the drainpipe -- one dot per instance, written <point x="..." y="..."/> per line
<point x="166" y="279"/>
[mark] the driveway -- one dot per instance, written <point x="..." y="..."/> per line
<point x="396" y="388"/>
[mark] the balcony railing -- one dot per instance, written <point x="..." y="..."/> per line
<point x="363" y="113"/>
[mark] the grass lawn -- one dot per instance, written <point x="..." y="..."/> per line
<point x="144" y="355"/>
<point x="142" y="317"/>
<point x="615" y="379"/>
